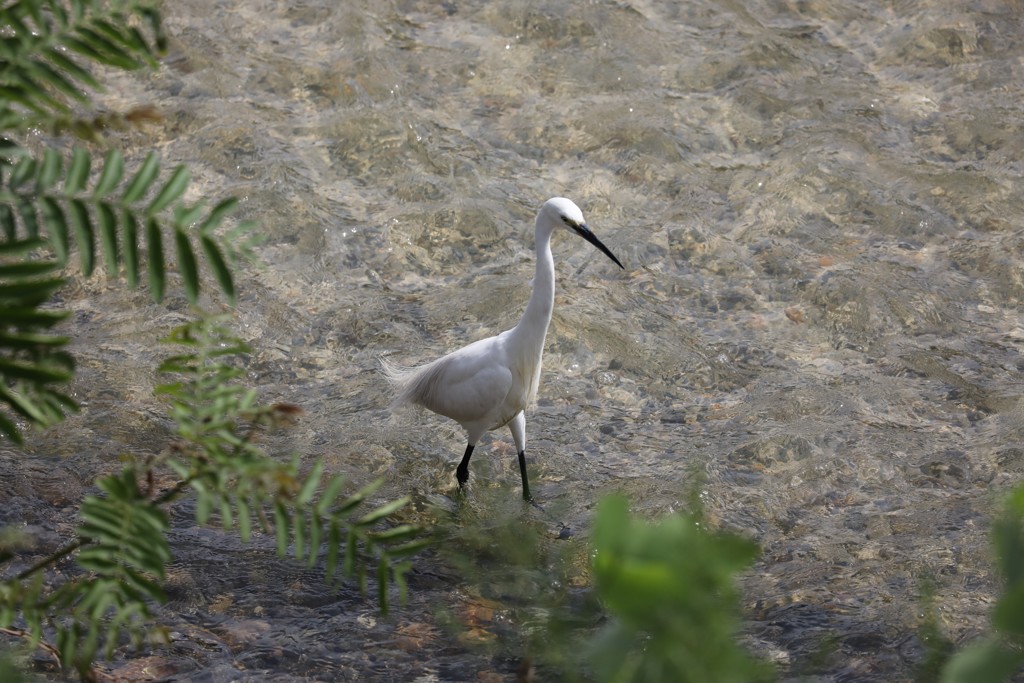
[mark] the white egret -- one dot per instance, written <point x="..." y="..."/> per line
<point x="488" y="384"/>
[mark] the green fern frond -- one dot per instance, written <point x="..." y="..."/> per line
<point x="32" y="360"/>
<point x="48" y="206"/>
<point x="46" y="50"/>
<point x="305" y="512"/>
<point x="53" y="199"/>
<point x="124" y="527"/>
<point x="124" y="553"/>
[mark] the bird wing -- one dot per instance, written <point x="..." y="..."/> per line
<point x="467" y="385"/>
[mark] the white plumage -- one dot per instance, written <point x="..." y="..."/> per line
<point x="489" y="383"/>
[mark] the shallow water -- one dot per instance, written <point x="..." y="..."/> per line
<point x="818" y="322"/>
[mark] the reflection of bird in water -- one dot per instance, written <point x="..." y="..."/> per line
<point x="488" y="384"/>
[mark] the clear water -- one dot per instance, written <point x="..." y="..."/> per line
<point x="819" y="321"/>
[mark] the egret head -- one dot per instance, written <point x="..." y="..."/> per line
<point x="563" y="212"/>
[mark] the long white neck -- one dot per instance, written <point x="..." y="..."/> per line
<point x="533" y="326"/>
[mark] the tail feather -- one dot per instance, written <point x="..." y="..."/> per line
<point x="399" y="377"/>
<point x="412" y="386"/>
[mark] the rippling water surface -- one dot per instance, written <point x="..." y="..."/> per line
<point x="818" y="206"/>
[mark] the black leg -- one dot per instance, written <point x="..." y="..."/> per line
<point x="462" y="473"/>
<point x="526" y="482"/>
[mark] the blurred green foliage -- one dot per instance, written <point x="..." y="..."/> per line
<point x="669" y="587"/>
<point x="10" y="672"/>
<point x="1000" y="655"/>
<point x="637" y="601"/>
<point x="938" y="649"/>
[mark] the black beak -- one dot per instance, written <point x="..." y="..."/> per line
<point x="583" y="231"/>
